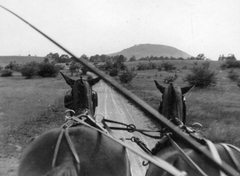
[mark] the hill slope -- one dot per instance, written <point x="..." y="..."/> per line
<point x="144" y="50"/>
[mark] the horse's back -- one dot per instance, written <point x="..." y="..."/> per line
<point x="98" y="155"/>
<point x="174" y="158"/>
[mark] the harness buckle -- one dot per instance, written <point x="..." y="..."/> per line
<point x="68" y="114"/>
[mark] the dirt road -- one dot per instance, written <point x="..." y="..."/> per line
<point x="115" y="107"/>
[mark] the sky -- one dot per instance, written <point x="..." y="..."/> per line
<point x="91" y="27"/>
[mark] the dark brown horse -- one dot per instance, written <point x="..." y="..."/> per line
<point x="77" y="150"/>
<point x="179" y="154"/>
<point x="81" y="96"/>
<point x="173" y="96"/>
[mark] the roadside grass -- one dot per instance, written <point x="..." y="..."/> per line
<point x="216" y="108"/>
<point x="29" y="107"/>
<point x="218" y="111"/>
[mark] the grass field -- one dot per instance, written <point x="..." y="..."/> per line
<point x="28" y="107"/>
<point x="217" y="108"/>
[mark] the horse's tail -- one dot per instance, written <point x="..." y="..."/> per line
<point x="67" y="170"/>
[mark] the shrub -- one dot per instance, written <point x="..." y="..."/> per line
<point x="184" y="67"/>
<point x="13" y="66"/>
<point x="132" y="59"/>
<point x="230" y="64"/>
<point x="74" y="67"/>
<point x="30" y="69"/>
<point x="120" y="65"/>
<point x="151" y="65"/>
<point x="127" y="76"/>
<point x="233" y="76"/>
<point x="47" y="70"/>
<point x="6" y="73"/>
<point x="168" y="66"/>
<point x="148" y="66"/>
<point x="201" y="76"/>
<point x="113" y="72"/>
<point x="10" y="66"/>
<point x="170" y="79"/>
<point x="141" y="66"/>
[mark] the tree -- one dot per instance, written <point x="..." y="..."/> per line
<point x="127" y="76"/>
<point x="121" y="59"/>
<point x="95" y="58"/>
<point x="63" y="59"/>
<point x="200" y="57"/>
<point x="119" y="63"/>
<point x="55" y="57"/>
<point x="114" y="72"/>
<point x="74" y="66"/>
<point x="10" y="65"/>
<point x="30" y="69"/>
<point x="6" y="73"/>
<point x="46" y="60"/>
<point x="168" y="66"/>
<point x="47" y="70"/>
<point x="132" y="59"/>
<point x="201" y="76"/>
<point x="84" y="57"/>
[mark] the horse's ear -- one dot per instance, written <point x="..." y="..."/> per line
<point x="94" y="81"/>
<point x="68" y="80"/>
<point x="186" y="89"/>
<point x="161" y="88"/>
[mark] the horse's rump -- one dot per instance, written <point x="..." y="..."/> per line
<point x="171" y="155"/>
<point x="98" y="154"/>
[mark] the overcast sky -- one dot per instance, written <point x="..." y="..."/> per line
<point x="93" y="27"/>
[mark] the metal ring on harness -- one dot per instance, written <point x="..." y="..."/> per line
<point x="68" y="114"/>
<point x="131" y="128"/>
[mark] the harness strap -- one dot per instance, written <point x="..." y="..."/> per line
<point x="57" y="148"/>
<point x="71" y="146"/>
<point x="215" y="154"/>
<point x="130" y="128"/>
<point x="232" y="156"/>
<point x="186" y="157"/>
<point x="155" y="160"/>
<point x="70" y="143"/>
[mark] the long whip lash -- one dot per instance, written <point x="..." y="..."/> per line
<point x="137" y="101"/>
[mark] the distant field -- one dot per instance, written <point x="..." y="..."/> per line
<point x="5" y="60"/>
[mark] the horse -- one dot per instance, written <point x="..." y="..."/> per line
<point x="179" y="102"/>
<point x="75" y="149"/>
<point x="171" y="149"/>
<point x="73" y="98"/>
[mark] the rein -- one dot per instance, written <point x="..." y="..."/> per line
<point x="64" y="131"/>
<point x="132" y="128"/>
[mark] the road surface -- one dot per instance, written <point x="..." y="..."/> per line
<point x="114" y="106"/>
